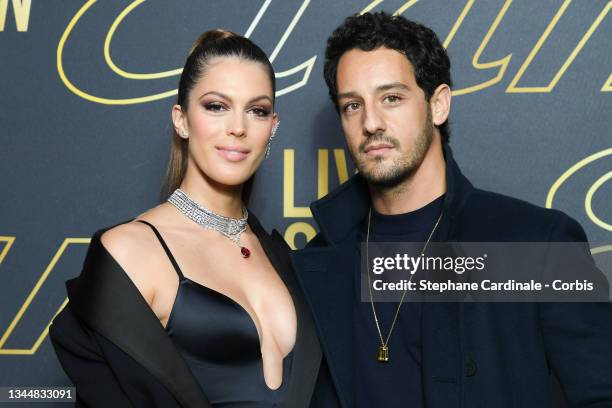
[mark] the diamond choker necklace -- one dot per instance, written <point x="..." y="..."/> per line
<point x="232" y="228"/>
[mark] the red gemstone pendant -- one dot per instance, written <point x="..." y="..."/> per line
<point x="245" y="252"/>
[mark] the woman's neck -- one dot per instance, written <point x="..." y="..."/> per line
<point x="221" y="199"/>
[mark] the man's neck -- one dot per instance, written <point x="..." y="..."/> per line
<point x="426" y="184"/>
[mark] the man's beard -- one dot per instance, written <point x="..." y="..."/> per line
<point x="403" y="167"/>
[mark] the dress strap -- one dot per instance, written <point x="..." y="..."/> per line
<point x="163" y="243"/>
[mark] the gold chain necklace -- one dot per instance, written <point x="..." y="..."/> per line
<point x="383" y="350"/>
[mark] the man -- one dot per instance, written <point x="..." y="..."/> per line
<point x="389" y="79"/>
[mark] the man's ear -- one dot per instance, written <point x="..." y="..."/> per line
<point x="179" y="119"/>
<point x="440" y="103"/>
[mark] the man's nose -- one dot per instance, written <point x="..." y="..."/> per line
<point x="373" y="121"/>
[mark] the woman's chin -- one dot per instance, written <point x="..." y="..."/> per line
<point x="228" y="174"/>
<point x="231" y="180"/>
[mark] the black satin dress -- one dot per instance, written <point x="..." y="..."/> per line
<point x="219" y="341"/>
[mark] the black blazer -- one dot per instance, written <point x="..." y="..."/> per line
<point x="473" y="354"/>
<point x="117" y="353"/>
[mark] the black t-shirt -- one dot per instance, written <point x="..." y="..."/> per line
<point x="398" y="382"/>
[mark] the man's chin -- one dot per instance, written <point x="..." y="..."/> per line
<point x="385" y="177"/>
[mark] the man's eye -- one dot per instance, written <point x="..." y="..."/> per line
<point x="349" y="107"/>
<point x="392" y="98"/>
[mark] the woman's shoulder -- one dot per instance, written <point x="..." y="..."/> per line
<point x="135" y="248"/>
<point x="131" y="240"/>
<point x="126" y="240"/>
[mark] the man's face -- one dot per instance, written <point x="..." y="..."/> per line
<point x="385" y="116"/>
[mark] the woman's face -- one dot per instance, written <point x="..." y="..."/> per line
<point x="229" y="120"/>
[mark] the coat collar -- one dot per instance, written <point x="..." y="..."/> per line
<point x="105" y="299"/>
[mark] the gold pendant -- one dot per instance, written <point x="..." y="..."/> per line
<point x="383" y="354"/>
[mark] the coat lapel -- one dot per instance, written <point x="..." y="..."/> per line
<point x="442" y="352"/>
<point x="306" y="352"/>
<point x="105" y="298"/>
<point x="326" y="276"/>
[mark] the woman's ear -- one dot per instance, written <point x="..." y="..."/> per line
<point x="275" y="120"/>
<point x="179" y="119"/>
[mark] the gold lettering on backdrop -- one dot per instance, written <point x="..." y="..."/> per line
<point x="608" y="85"/>
<point x="341" y="167"/>
<point x="601" y="249"/>
<point x="111" y="64"/>
<point x="297" y="228"/>
<point x="371" y="6"/>
<point x="306" y="65"/>
<point x="513" y="88"/>
<point x="589" y="198"/>
<point x="591" y="190"/>
<point x="405" y="7"/>
<point x="7" y="246"/>
<point x="21" y="11"/>
<point x="289" y="208"/>
<point x="501" y="63"/>
<point x="302" y="71"/>
<point x="323" y="173"/>
<point x="32" y="295"/>
<point x="397" y="12"/>
<point x="458" y="22"/>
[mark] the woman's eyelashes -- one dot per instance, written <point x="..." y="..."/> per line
<point x="217" y="107"/>
<point x="261" y="111"/>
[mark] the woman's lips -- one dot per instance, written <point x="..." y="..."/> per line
<point x="233" y="153"/>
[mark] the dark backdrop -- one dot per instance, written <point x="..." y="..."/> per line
<point x="86" y="89"/>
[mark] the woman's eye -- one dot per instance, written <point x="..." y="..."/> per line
<point x="260" y="112"/>
<point x="214" y="107"/>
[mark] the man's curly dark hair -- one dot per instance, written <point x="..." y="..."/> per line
<point x="373" y="30"/>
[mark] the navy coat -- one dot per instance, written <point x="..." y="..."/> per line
<point x="474" y="355"/>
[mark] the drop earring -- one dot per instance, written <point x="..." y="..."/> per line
<point x="274" y="129"/>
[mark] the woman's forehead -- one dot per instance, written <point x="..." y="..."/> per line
<point x="235" y="77"/>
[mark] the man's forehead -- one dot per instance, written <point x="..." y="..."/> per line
<point x="380" y="55"/>
<point x="383" y="86"/>
<point x="374" y="71"/>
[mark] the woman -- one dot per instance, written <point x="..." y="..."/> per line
<point x="192" y="303"/>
